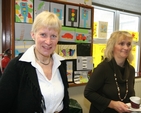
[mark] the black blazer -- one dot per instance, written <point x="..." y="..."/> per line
<point x="20" y="91"/>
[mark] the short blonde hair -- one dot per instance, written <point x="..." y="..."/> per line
<point x="116" y="37"/>
<point x="47" y="19"/>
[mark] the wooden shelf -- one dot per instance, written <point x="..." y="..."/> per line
<point x="74" y="85"/>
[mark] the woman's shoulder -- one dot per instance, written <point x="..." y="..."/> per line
<point x="105" y="63"/>
<point x="15" y="61"/>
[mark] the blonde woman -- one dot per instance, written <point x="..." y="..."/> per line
<point x="36" y="81"/>
<point x="112" y="81"/>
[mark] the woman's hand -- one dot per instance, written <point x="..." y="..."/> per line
<point x="119" y="106"/>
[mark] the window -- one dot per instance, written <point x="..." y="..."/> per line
<point x="116" y="20"/>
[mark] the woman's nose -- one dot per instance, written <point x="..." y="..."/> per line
<point x="48" y="40"/>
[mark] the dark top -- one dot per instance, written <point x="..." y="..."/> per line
<point x="20" y="91"/>
<point x="101" y="88"/>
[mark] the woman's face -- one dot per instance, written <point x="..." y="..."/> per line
<point x="122" y="48"/>
<point x="45" y="41"/>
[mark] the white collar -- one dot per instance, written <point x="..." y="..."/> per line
<point x="29" y="56"/>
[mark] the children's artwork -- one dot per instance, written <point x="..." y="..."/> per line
<point x="98" y="53"/>
<point x="83" y="49"/>
<point x="80" y="77"/>
<point x="40" y="6"/>
<point x="22" y="46"/>
<point x="67" y="51"/>
<point x="85" y="17"/>
<point x="69" y="71"/>
<point x="95" y="25"/>
<point x="135" y="35"/>
<point x="22" y="32"/>
<point x="58" y="9"/>
<point x="102" y="29"/>
<point x="84" y="63"/>
<point x="72" y="16"/>
<point x="24" y="11"/>
<point x="67" y="34"/>
<point x="83" y="36"/>
<point x="135" y="52"/>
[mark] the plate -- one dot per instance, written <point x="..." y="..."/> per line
<point x="133" y="109"/>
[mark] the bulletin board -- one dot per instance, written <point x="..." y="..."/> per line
<point x="75" y="43"/>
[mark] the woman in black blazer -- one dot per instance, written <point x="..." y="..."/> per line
<point x="36" y="81"/>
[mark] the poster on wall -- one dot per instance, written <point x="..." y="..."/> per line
<point x="98" y="53"/>
<point x="24" y="11"/>
<point x="83" y="36"/>
<point x="81" y="77"/>
<point x="58" y="9"/>
<point x="85" y="18"/>
<point x="22" y="46"/>
<point x="67" y="34"/>
<point x="69" y="70"/>
<point x="67" y="51"/>
<point x="23" y="38"/>
<point x="40" y="6"/>
<point x="72" y="16"/>
<point x="22" y="31"/>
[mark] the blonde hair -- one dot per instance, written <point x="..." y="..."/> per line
<point x="116" y="37"/>
<point x="47" y="19"/>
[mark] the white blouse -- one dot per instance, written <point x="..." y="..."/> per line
<point x="52" y="90"/>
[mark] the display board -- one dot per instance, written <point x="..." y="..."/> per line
<point x="75" y="43"/>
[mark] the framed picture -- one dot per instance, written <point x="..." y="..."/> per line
<point x="40" y="6"/>
<point x="67" y="34"/>
<point x="70" y="70"/>
<point x="72" y="16"/>
<point x="85" y="17"/>
<point x="67" y="51"/>
<point x="24" y="11"/>
<point x="58" y="9"/>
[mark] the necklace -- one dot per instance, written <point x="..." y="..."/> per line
<point x="119" y="89"/>
<point x="41" y="61"/>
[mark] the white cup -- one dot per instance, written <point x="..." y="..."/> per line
<point x="135" y="102"/>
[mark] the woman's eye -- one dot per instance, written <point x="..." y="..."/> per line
<point x="128" y="44"/>
<point x="122" y="43"/>
<point x="53" y="36"/>
<point x="43" y="35"/>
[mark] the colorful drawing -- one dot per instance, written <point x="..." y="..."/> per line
<point x="22" y="46"/>
<point x="22" y="32"/>
<point x="102" y="29"/>
<point x="67" y="51"/>
<point x="135" y="52"/>
<point x="80" y="77"/>
<point x="84" y="63"/>
<point x="98" y="53"/>
<point x="40" y="6"/>
<point x="24" y="11"/>
<point x="58" y="9"/>
<point x="69" y="71"/>
<point x="83" y="36"/>
<point x="95" y="29"/>
<point x="135" y="35"/>
<point x="80" y="37"/>
<point x="85" y="18"/>
<point x="67" y="34"/>
<point x="72" y="13"/>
